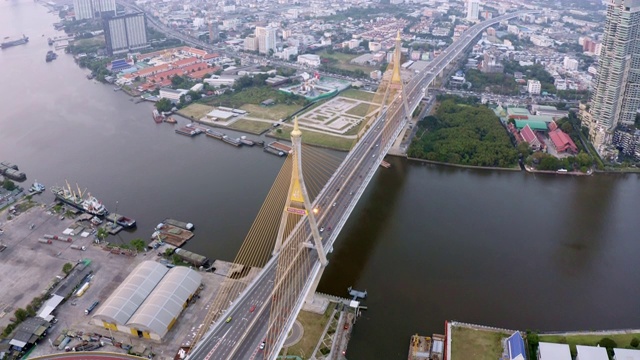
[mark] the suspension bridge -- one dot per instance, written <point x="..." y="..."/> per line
<point x="302" y="216"/>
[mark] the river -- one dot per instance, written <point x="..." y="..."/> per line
<point x="429" y="243"/>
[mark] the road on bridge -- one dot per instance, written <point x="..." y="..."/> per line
<point x="240" y="338"/>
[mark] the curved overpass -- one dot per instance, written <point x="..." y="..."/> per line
<point x="88" y="355"/>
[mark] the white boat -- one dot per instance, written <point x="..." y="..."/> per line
<point x="37" y="187"/>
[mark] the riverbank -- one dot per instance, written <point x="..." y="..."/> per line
<point x="479" y="342"/>
<point x="461" y="166"/>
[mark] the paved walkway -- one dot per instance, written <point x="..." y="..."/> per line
<point x="297" y="332"/>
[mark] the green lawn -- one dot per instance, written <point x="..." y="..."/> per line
<point x="314" y="325"/>
<point x="357" y="94"/>
<point x="316" y="138"/>
<point x="360" y="110"/>
<point x="623" y="340"/>
<point x="344" y="61"/>
<point x="250" y="126"/>
<point x="467" y="343"/>
<point x="195" y="111"/>
<point x="273" y="112"/>
<point x="252" y="95"/>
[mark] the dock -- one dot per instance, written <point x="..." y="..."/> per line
<point x="419" y="348"/>
<point x="180" y="224"/>
<point x="172" y="235"/>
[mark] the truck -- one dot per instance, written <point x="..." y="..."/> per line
<point x="90" y="308"/>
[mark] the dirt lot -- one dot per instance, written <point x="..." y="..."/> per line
<point x="31" y="266"/>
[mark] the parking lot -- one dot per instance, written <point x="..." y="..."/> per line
<point x="30" y="267"/>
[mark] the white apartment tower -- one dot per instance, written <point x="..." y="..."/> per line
<point x="266" y="39"/>
<point x="90" y="9"/>
<point x="473" y="10"/>
<point x="616" y="94"/>
<point x="125" y="33"/>
<point x="534" y="87"/>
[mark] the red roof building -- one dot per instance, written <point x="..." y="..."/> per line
<point x="529" y="136"/>
<point x="562" y="142"/>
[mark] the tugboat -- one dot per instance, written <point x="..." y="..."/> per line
<point x="51" y="56"/>
<point x="37" y="187"/>
<point x="157" y="117"/>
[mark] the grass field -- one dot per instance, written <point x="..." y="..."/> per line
<point x="360" y="110"/>
<point x="623" y="340"/>
<point x="250" y="126"/>
<point x="343" y="61"/>
<point x="195" y="111"/>
<point x="357" y="94"/>
<point x="274" y="112"/>
<point x="313" y="327"/>
<point x="316" y="138"/>
<point x="467" y="343"/>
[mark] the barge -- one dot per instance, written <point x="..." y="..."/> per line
<point x="180" y="224"/>
<point x="10" y="171"/>
<point x="122" y="220"/>
<point x="231" y="141"/>
<point x="10" y="43"/>
<point x="189" y="130"/>
<point x="214" y="134"/>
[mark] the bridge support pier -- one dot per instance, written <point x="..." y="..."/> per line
<point x="312" y="302"/>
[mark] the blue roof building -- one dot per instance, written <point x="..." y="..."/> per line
<point x="515" y="346"/>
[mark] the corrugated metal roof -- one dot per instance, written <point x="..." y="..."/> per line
<point x="126" y="299"/>
<point x="165" y="303"/>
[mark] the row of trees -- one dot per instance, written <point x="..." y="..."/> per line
<point x="463" y="134"/>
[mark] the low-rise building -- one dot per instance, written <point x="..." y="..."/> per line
<point x="171" y="94"/>
<point x="530" y="137"/>
<point x="217" y="81"/>
<point x="551" y="351"/>
<point x="591" y="353"/>
<point x="562" y="142"/>
<point x="309" y="59"/>
<point x="626" y="354"/>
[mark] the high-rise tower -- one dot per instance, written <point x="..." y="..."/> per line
<point x="616" y="94"/>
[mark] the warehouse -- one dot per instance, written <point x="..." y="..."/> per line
<point x="149" y="300"/>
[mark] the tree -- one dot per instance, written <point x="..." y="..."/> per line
<point x="66" y="268"/>
<point x="164" y="104"/>
<point x="138" y="244"/>
<point x="102" y="233"/>
<point x="608" y="343"/>
<point x="635" y="342"/>
<point x="8" y="185"/>
<point x="21" y="314"/>
<point x="524" y="149"/>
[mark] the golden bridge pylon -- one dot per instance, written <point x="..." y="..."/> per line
<point x="391" y="86"/>
<point x="297" y="235"/>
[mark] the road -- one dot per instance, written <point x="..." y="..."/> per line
<point x="239" y="338"/>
